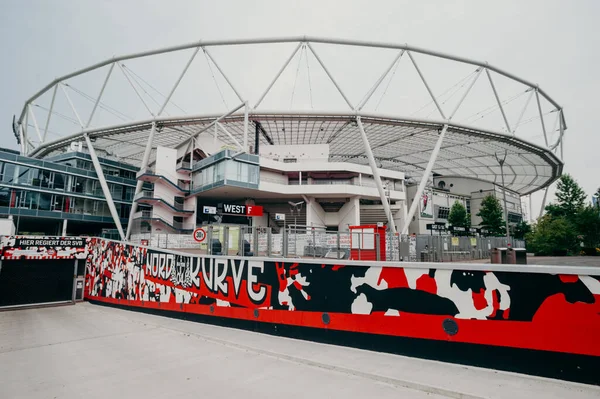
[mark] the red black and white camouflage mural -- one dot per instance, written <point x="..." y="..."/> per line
<point x="541" y="311"/>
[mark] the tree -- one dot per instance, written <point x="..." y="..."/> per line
<point x="521" y="230"/>
<point x="552" y="236"/>
<point x="587" y="223"/>
<point x="596" y="197"/>
<point x="491" y="215"/>
<point x="458" y="216"/>
<point x="570" y="198"/>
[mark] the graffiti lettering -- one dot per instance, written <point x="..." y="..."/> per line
<point x="256" y="296"/>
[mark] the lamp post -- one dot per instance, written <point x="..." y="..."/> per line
<point x="501" y="162"/>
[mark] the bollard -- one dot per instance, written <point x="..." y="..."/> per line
<point x="520" y="256"/>
<point x="499" y="255"/>
<point x="511" y="258"/>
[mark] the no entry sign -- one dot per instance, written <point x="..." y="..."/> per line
<point x="199" y="235"/>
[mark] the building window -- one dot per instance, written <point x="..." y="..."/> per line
<point x="8" y="172"/>
<point x="514" y="218"/>
<point x="4" y="196"/>
<point x="443" y="212"/>
<point x="468" y="206"/>
<point x="45" y="202"/>
<point x="57" y="203"/>
<point x="59" y="181"/>
<point x="84" y="164"/>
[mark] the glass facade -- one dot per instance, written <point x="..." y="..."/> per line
<point x="83" y="161"/>
<point x="66" y="189"/>
<point x="221" y="169"/>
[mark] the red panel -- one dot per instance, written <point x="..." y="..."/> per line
<point x="254" y="210"/>
<point x="541" y="334"/>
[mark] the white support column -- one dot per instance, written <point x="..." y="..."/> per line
<point x="64" y="228"/>
<point x="378" y="82"/>
<point x="135" y="89"/>
<point x="312" y="50"/>
<point x="22" y="139"/>
<point x="544" y="201"/>
<point x="140" y="183"/>
<point x="71" y="104"/>
<point x="25" y="127"/>
<point x="466" y="93"/>
<point x="213" y="123"/>
<point x="192" y="149"/>
<point x="104" y="185"/>
<point x="376" y="176"/>
<point x="530" y="209"/>
<point x="537" y="97"/>
<point x="532" y="92"/>
<point x="287" y="62"/>
<point x="487" y="71"/>
<point x="223" y="74"/>
<point x="50" y="112"/>
<point x="246" y="126"/>
<point x="35" y="124"/>
<point x="423" y="183"/>
<point x="230" y="136"/>
<point x="160" y="111"/>
<point x="561" y="126"/>
<point x="405" y="213"/>
<point x="426" y="85"/>
<point x="100" y="95"/>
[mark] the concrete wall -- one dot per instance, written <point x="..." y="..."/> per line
<point x="299" y="152"/>
<point x="273" y="177"/>
<point x="349" y="214"/>
<point x="463" y="185"/>
<point x="315" y="215"/>
<point x="7" y="226"/>
<point x="207" y="142"/>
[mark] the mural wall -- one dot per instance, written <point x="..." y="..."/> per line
<point x="550" y="312"/>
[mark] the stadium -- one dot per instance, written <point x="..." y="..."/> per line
<point x="329" y="133"/>
<point x="315" y="165"/>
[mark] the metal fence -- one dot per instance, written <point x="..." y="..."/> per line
<point x="309" y="242"/>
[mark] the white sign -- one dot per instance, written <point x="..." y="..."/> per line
<point x="199" y="235"/>
<point x="280" y="216"/>
<point x="210" y="210"/>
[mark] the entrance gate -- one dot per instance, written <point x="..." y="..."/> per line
<point x="41" y="270"/>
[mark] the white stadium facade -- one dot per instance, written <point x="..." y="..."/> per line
<point x="331" y="133"/>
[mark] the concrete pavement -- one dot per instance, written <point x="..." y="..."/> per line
<point x="93" y="351"/>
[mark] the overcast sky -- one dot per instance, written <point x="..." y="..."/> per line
<point x="552" y="43"/>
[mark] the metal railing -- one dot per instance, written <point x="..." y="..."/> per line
<point x="306" y="242"/>
<point x="144" y="194"/>
<point x="152" y="216"/>
<point x="150" y="194"/>
<point x="144" y="171"/>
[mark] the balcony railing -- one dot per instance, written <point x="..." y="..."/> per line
<point x="183" y="165"/>
<point x="151" y="215"/>
<point x="143" y="172"/>
<point x="150" y="194"/>
<point x="325" y="182"/>
<point x="144" y="194"/>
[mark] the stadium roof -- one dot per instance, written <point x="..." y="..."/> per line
<point x="406" y="97"/>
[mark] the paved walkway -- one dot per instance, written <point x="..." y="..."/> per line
<point x="90" y="351"/>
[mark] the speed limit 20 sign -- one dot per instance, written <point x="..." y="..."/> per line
<point x="199" y="235"/>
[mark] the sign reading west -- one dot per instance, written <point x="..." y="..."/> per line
<point x="243" y="210"/>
